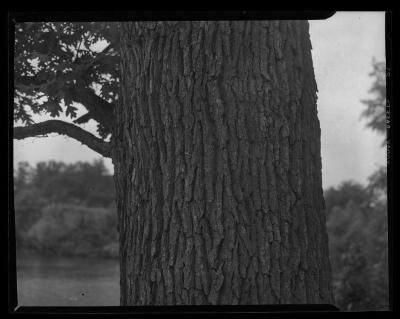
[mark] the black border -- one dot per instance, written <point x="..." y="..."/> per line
<point x="390" y="149"/>
<point x="54" y="16"/>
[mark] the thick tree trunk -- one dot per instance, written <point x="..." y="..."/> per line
<point x="218" y="166"/>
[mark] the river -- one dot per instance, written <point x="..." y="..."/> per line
<point x="66" y="281"/>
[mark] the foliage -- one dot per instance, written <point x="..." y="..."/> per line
<point x="22" y="176"/>
<point x="66" y="208"/>
<point x="57" y="63"/>
<point x="69" y="229"/>
<point x="358" y="235"/>
<point x="343" y="194"/>
<point x="28" y="205"/>
<point x="357" y="224"/>
<point x="376" y="107"/>
<point x="378" y="183"/>
<point x="79" y="182"/>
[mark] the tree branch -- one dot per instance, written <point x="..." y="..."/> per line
<point x="64" y="128"/>
<point x="99" y="109"/>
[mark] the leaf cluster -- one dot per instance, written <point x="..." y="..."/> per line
<point x="55" y="60"/>
<point x="358" y="237"/>
<point x="375" y="112"/>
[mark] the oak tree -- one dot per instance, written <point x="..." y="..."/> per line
<point x="215" y="142"/>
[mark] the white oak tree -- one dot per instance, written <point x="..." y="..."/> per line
<point x="215" y="142"/>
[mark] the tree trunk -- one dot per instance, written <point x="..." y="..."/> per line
<point x="218" y="166"/>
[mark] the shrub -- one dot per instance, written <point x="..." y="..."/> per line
<point x="70" y="229"/>
<point x="359" y="251"/>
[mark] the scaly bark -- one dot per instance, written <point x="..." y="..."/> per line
<point x="218" y="166"/>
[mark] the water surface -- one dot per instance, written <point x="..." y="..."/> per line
<point x="66" y="281"/>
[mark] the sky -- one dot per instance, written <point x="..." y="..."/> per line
<point x="343" y="48"/>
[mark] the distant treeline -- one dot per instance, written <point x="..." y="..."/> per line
<point x="66" y="209"/>
<point x="358" y="237"/>
<point x="69" y="209"/>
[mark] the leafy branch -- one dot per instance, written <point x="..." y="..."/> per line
<point x="64" y="128"/>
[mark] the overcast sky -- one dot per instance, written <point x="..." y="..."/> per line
<point x="343" y="47"/>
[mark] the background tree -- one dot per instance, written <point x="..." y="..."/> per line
<point x="216" y="148"/>
<point x="375" y="113"/>
<point x="358" y="236"/>
<point x="358" y="225"/>
<point x="66" y="209"/>
<point x="376" y="107"/>
<point x="343" y="194"/>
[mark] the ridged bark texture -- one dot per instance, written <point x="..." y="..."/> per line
<point x="218" y="166"/>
